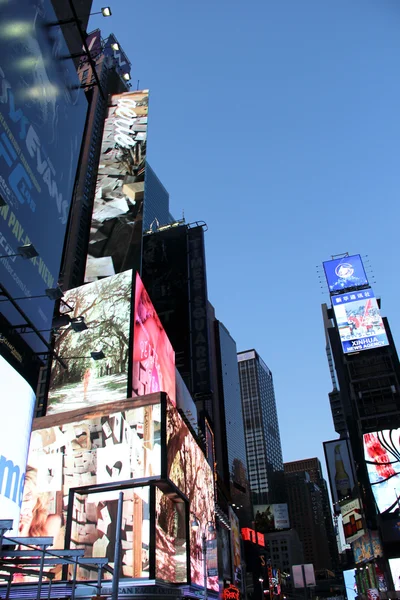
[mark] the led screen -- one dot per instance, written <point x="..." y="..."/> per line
<point x="153" y="355"/>
<point x="235" y="540"/>
<point x="188" y="469"/>
<point x="394" y="564"/>
<point x="93" y="529"/>
<point x="341" y="478"/>
<point x="350" y="584"/>
<point x="109" y="447"/>
<point x="105" y="307"/>
<point x="382" y="457"/>
<point x="117" y="220"/>
<point x="353" y="524"/>
<point x="42" y="117"/>
<point x="367" y="547"/>
<point x="171" y="563"/>
<point x="19" y="399"/>
<point x="345" y="273"/>
<point x="269" y="517"/>
<point x="359" y="322"/>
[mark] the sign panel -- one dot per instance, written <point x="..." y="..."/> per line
<point x="381" y="453"/>
<point x="121" y="61"/>
<point x="93" y="41"/>
<point x="269" y="517"/>
<point x="340" y="470"/>
<point x="15" y="429"/>
<point x="394" y="564"/>
<point x="345" y="273"/>
<point x="353" y="524"/>
<point x="153" y="355"/>
<point x="367" y="547"/>
<point x="117" y="221"/>
<point x="350" y="584"/>
<point x="106" y="307"/>
<point x="359" y="322"/>
<point x="42" y="116"/>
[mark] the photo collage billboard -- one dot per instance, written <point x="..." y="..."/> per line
<point x="345" y="273"/>
<point x="118" y="443"/>
<point x="340" y="471"/>
<point x="359" y="321"/>
<point x="382" y="458"/>
<point x="188" y="469"/>
<point x="352" y="520"/>
<point x="42" y="117"/>
<point x="105" y="306"/>
<point x="117" y="220"/>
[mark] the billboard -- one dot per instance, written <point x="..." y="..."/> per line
<point x="269" y="517"/>
<point x="112" y="443"/>
<point x="394" y="564"/>
<point x="345" y="273"/>
<point x="15" y="431"/>
<point x="340" y="471"/>
<point x="382" y="458"/>
<point x="367" y="547"/>
<point x="153" y="355"/>
<point x="235" y="542"/>
<point x="171" y="563"/>
<point x="303" y="576"/>
<point x="353" y="524"/>
<point x="188" y="469"/>
<point x="42" y="116"/>
<point x="93" y="42"/>
<point x="121" y="61"/>
<point x="350" y="584"/>
<point x="106" y="307"/>
<point x="359" y="322"/>
<point x="116" y="229"/>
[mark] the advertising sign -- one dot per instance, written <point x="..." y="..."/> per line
<point x="117" y="220"/>
<point x="394" y="564"/>
<point x="382" y="457"/>
<point x="269" y="517"/>
<point x="345" y="273"/>
<point x="303" y="576"/>
<point x="340" y="471"/>
<point x="93" y="42"/>
<point x="359" y="322"/>
<point x="105" y="307"/>
<point x="107" y="446"/>
<point x="153" y="355"/>
<point x="121" y="61"/>
<point x="235" y="540"/>
<point x="350" y="584"/>
<point x="353" y="524"/>
<point x="171" y="563"/>
<point x="19" y="398"/>
<point x="188" y="469"/>
<point x="42" y="115"/>
<point x="367" y="547"/>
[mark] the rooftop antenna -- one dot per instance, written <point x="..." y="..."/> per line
<point x="137" y="87"/>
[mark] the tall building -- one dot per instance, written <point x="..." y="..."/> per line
<point x="261" y="429"/>
<point x="156" y="206"/>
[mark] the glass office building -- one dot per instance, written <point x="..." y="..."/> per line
<point x="261" y="428"/>
<point x="156" y="204"/>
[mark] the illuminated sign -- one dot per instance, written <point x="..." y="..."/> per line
<point x="249" y="535"/>
<point x="42" y="116"/>
<point x="394" y="564"/>
<point x="153" y="355"/>
<point x="269" y="517"/>
<point x="359" y="322"/>
<point x="231" y="593"/>
<point x="350" y="584"/>
<point x="353" y="524"/>
<point x="15" y="430"/>
<point x="367" y="547"/>
<point x="341" y="478"/>
<point x="105" y="306"/>
<point x="382" y="457"/>
<point x="345" y="273"/>
<point x="117" y="220"/>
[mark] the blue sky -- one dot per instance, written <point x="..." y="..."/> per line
<point x="277" y="123"/>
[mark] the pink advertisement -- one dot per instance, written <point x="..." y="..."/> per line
<point x="153" y="355"/>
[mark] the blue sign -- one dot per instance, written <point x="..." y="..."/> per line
<point x="122" y="62"/>
<point x="359" y="322"/>
<point x="42" y="115"/>
<point x="345" y="273"/>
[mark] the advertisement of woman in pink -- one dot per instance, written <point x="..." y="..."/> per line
<point x="153" y="355"/>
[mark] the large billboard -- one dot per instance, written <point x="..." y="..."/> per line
<point x="188" y="469"/>
<point x="350" y="584"/>
<point x="394" y="564"/>
<point x="352" y="519"/>
<point x="105" y="307"/>
<point x="117" y="220"/>
<point x="19" y="400"/>
<point x="367" y="547"/>
<point x="121" y="61"/>
<point x="345" y="273"/>
<point x="153" y="355"/>
<point x="382" y="457"/>
<point x="359" y="322"/>
<point x="171" y="562"/>
<point x="42" y="115"/>
<point x="270" y="517"/>
<point x="340" y="471"/>
<point x="114" y="443"/>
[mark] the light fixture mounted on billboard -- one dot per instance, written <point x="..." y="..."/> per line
<point x="27" y="251"/>
<point x="115" y="46"/>
<point x="106" y="12"/>
<point x="126" y="76"/>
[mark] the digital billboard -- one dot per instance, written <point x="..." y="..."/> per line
<point x="353" y="523"/>
<point x="340" y="471"/>
<point x="345" y="273"/>
<point x="188" y="469"/>
<point x="350" y="584"/>
<point x="382" y="458"/>
<point x="42" y="116"/>
<point x="269" y="517"/>
<point x="19" y="400"/>
<point x="114" y="443"/>
<point x="116" y="228"/>
<point x="359" y="322"/>
<point x="105" y="306"/>
<point x="153" y="355"/>
<point x="367" y="547"/>
<point x="171" y="563"/>
<point x="235" y="542"/>
<point x="394" y="564"/>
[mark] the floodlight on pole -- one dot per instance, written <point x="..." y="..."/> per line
<point x="27" y="251"/>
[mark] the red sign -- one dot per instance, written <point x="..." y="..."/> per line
<point x="231" y="593"/>
<point x="249" y="535"/>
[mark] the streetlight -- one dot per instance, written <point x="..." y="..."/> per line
<point x="210" y="529"/>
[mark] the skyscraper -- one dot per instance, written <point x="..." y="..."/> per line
<point x="261" y="428"/>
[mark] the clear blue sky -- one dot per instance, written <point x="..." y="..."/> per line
<point x="277" y="123"/>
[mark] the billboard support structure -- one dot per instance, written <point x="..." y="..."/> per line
<point x="117" y="552"/>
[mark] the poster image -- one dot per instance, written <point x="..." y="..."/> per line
<point x="345" y="273"/>
<point x="153" y="355"/>
<point x="359" y="322"/>
<point x="171" y="563"/>
<point x="350" y="584"/>
<point x="394" y="564"/>
<point x="340" y="471"/>
<point x="353" y="523"/>
<point x="105" y="307"/>
<point x="367" y="547"/>
<point x="382" y="457"/>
